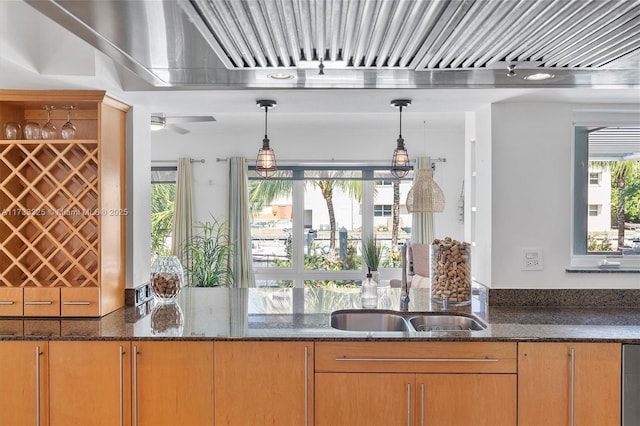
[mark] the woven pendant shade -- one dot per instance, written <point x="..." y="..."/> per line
<point x="425" y="195"/>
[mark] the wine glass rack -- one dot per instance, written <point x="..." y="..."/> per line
<point x="62" y="206"/>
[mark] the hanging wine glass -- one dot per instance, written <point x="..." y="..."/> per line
<point x="49" y="131"/>
<point x="68" y="131"/>
<point x="31" y="130"/>
<point x="12" y="130"/>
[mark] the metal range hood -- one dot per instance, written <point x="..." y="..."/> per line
<point x="361" y="43"/>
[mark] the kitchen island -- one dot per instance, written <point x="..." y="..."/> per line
<point x="270" y="356"/>
<point x="294" y="314"/>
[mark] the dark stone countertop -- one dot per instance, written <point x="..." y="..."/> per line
<point x="294" y="314"/>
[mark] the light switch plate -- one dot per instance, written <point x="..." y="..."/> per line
<point x="532" y="259"/>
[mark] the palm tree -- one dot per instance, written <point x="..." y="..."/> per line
<point x="263" y="192"/>
<point x="396" y="214"/>
<point x="330" y="180"/>
<point x="162" y="201"/>
<point x="621" y="171"/>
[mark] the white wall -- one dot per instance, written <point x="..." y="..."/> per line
<point x="531" y="198"/>
<point x="481" y="234"/>
<point x="361" y="137"/>
<point x="138" y="197"/>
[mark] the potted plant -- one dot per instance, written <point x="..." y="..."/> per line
<point x="208" y="252"/>
<point x="371" y="254"/>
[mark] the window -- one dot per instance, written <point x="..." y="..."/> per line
<point x="382" y="210"/>
<point x="307" y="224"/>
<point x="607" y="190"/>
<point x="384" y="182"/>
<point x="163" y="192"/>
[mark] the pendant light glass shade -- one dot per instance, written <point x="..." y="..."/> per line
<point x="266" y="162"/>
<point x="425" y="196"/>
<point x="266" y="165"/>
<point x="400" y="164"/>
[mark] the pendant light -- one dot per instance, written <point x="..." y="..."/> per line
<point x="425" y="196"/>
<point x="400" y="164"/>
<point x="266" y="162"/>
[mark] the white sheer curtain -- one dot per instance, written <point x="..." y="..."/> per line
<point x="422" y="231"/>
<point x="239" y="227"/>
<point x="182" y="219"/>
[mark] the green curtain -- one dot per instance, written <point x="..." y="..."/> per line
<point x="182" y="216"/>
<point x="422" y="231"/>
<point x="239" y="228"/>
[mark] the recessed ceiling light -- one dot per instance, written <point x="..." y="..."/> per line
<point x="539" y="76"/>
<point x="280" y="76"/>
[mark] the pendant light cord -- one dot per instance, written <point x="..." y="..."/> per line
<point x="266" y="110"/>
<point x="400" y="122"/>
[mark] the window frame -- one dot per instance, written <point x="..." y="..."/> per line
<point x="383" y="210"/>
<point x="297" y="274"/>
<point x="598" y="178"/>
<point x="580" y="183"/>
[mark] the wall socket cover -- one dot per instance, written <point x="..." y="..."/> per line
<point x="532" y="259"/>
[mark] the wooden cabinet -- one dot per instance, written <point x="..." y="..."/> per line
<point x="569" y="384"/>
<point x="172" y="383"/>
<point x="24" y="383"/>
<point x="90" y="383"/>
<point x="264" y="383"/>
<point x="466" y="399"/>
<point x="415" y="383"/>
<point x="365" y="399"/>
<point x="62" y="223"/>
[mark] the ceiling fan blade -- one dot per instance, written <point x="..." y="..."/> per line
<point x="189" y="118"/>
<point x="179" y="130"/>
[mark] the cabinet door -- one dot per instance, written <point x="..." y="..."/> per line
<point x="90" y="383"/>
<point x="23" y="383"/>
<point x="172" y="383"/>
<point x="466" y="399"/>
<point x="365" y="399"/>
<point x="569" y="383"/>
<point x="264" y="383"/>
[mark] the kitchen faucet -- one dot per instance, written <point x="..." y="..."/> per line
<point x="404" y="287"/>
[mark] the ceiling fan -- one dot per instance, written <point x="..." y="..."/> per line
<point x="160" y="120"/>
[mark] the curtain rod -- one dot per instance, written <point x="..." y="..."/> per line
<point x="339" y="162"/>
<point x="193" y="160"/>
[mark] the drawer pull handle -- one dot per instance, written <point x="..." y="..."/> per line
<point x="135" y="386"/>
<point x="38" y="303"/>
<point x="38" y="353"/>
<point x="420" y="359"/>
<point x="408" y="404"/>
<point x="572" y="354"/>
<point x="4" y="302"/>
<point x="121" y="385"/>
<point x="76" y="303"/>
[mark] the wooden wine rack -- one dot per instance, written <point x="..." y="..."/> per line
<point x="62" y="215"/>
<point x="50" y="213"/>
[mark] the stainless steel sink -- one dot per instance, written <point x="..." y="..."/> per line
<point x="354" y="320"/>
<point x="429" y="322"/>
<point x="366" y="320"/>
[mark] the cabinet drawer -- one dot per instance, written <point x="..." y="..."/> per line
<point x="417" y="357"/>
<point x="11" y="299"/>
<point x="80" y="302"/>
<point x="41" y="302"/>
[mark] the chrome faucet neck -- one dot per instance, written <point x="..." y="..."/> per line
<point x="404" y="287"/>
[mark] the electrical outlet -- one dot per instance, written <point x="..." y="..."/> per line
<point x="532" y="260"/>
